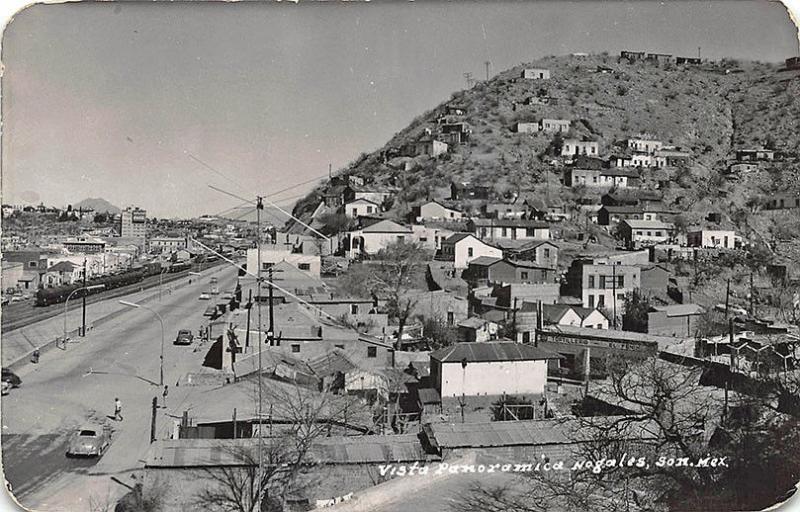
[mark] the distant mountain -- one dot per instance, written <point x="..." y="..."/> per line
<point x="97" y="204"/>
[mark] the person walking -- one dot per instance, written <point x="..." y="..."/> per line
<point x="117" y="409"/>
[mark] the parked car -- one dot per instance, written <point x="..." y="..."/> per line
<point x="185" y="337"/>
<point x="11" y="378"/>
<point x="204" y="296"/>
<point x="88" y="441"/>
<point x="6" y="389"/>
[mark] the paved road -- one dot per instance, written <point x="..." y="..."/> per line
<point x="119" y="358"/>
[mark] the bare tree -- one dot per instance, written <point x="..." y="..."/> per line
<point x="396" y="270"/>
<point x="682" y="421"/>
<point x="259" y="476"/>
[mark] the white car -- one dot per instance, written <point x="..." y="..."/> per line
<point x="6" y="388"/>
<point x="205" y="296"/>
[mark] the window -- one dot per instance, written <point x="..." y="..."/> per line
<point x="658" y="233"/>
<point x="450" y="318"/>
<point x="400" y="238"/>
<point x="339" y="346"/>
<point x="591" y="281"/>
<point x="639" y="233"/>
<point x="295" y="348"/>
<point x="355" y="212"/>
<point x="621" y="281"/>
<point x="649" y="233"/>
<point x="266" y="265"/>
<point x="547" y="253"/>
<point x="602" y="282"/>
<point x="304" y="266"/>
<point x="369" y="209"/>
<point x="32" y="264"/>
<point x="504" y="232"/>
<point x="524" y="275"/>
<point x="353" y="309"/>
<point x="423" y="239"/>
<point x="601" y="301"/>
<point x="526" y="337"/>
<point x="470" y="252"/>
<point x="372" y="351"/>
<point x="620" y="296"/>
<point x="591" y="301"/>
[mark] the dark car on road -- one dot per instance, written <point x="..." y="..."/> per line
<point x="185" y="337"/>
<point x="11" y="378"/>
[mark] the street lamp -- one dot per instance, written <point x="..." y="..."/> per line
<point x="161" y="321"/>
<point x="66" y="303"/>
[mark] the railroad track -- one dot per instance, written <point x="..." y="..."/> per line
<point x="18" y="315"/>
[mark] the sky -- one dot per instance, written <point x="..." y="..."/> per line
<point x="150" y="104"/>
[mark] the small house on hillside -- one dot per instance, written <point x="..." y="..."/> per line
<point x="783" y="200"/>
<point x="526" y="127"/>
<point x="660" y="57"/>
<point x="428" y="146"/>
<point x="555" y="314"/>
<point x="434" y="210"/>
<point x="466" y="190"/>
<point x="541" y="252"/>
<point x="373" y="238"/>
<point x="554" y="125"/>
<point x="648" y="146"/>
<point x="711" y="238"/>
<point x="455" y="133"/>
<point x="462" y="248"/>
<point x="673" y="157"/>
<point x="535" y="74"/>
<point x="631" y="56"/>
<point x="754" y="155"/>
<point x="643" y="233"/>
<point x="514" y="229"/>
<point x="570" y="147"/>
<point x="504" y="210"/>
<point x="361" y="207"/>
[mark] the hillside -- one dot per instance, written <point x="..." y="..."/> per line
<point x="711" y="110"/>
<point x="97" y="204"/>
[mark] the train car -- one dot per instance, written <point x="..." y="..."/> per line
<point x="179" y="267"/>
<point x="48" y="296"/>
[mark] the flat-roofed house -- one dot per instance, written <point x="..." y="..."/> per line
<point x="642" y="233"/>
<point x="677" y="320"/>
<point x="513" y="229"/>
<point x="711" y="238"/>
<point x="648" y="146"/>
<point x="489" y="368"/>
<point x="554" y="125"/>
<point x="434" y="210"/>
<point x="570" y="147"/>
<point x="782" y="200"/>
<point x="535" y="74"/>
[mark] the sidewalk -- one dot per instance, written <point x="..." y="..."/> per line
<point x="16" y="346"/>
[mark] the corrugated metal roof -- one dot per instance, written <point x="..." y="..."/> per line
<point x="525" y="433"/>
<point x="680" y="309"/>
<point x="490" y="351"/>
<point x="176" y="453"/>
<point x="429" y="396"/>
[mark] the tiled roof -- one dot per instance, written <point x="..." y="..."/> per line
<point x="490" y="351"/>
<point x="456" y="237"/>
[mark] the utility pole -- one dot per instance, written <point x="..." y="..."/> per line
<point x="469" y="79"/>
<point x="153" y="419"/>
<point x="259" y="208"/>
<point x="488" y="65"/>
<point x="614" y="291"/>
<point x="727" y="297"/>
<point x="249" y="309"/>
<point x="752" y="311"/>
<point x="271" y="331"/>
<point x="83" y="323"/>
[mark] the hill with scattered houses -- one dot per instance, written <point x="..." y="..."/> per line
<point x="495" y="135"/>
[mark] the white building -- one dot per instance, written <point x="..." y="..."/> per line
<point x="465" y="247"/>
<point x="648" y="146"/>
<point x="373" y="238"/>
<point x="572" y="147"/>
<point x="645" y="232"/>
<point x="711" y="238"/>
<point x="554" y="125"/>
<point x="168" y="244"/>
<point x="782" y="200"/>
<point x="361" y="207"/>
<point x="535" y="74"/>
<point x="512" y="229"/>
<point x="433" y="210"/>
<point x="526" y="127"/>
<point x="133" y="223"/>
<point x="489" y="368"/>
<point x="308" y="263"/>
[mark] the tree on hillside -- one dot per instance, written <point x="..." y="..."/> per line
<point x="333" y="223"/>
<point x="396" y="269"/>
<point x="637" y="306"/>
